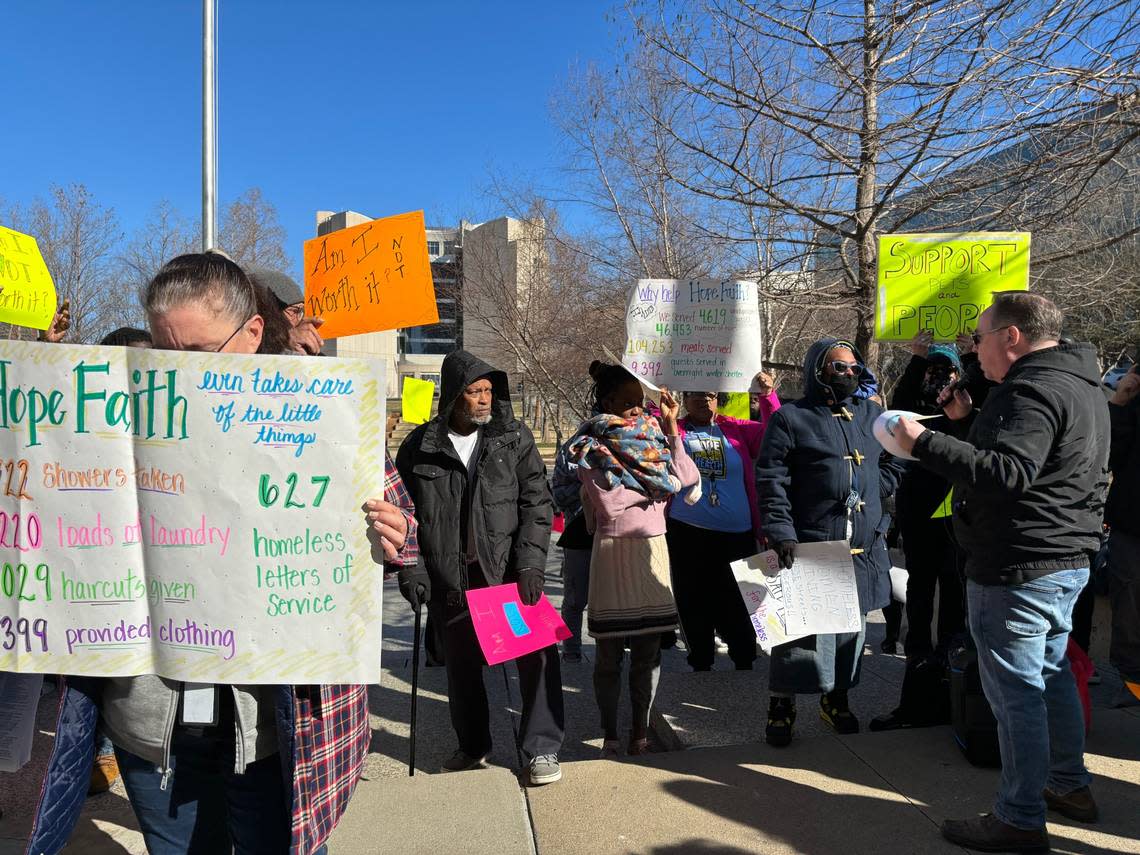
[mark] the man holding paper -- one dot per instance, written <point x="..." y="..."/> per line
<point x="821" y="476"/>
<point x="484" y="512"/>
<point x="1030" y="477"/>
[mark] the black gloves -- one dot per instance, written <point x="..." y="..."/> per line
<point x="530" y="585"/>
<point x="415" y="586"/>
<point x="786" y="552"/>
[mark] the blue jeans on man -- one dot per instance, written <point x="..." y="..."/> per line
<point x="1021" y="632"/>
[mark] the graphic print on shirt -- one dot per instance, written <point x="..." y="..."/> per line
<point x="708" y="453"/>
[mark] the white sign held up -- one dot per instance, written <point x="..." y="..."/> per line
<point x="817" y="595"/>
<point x="698" y="334"/>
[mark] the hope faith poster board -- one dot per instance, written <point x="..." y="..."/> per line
<point x="193" y="515"/>
<point x="942" y="282"/>
<point x="817" y="594"/>
<point x="694" y="334"/>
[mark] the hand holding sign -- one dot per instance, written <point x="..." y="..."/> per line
<point x="371" y="277"/>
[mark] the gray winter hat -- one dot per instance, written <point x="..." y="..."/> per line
<point x="281" y="285"/>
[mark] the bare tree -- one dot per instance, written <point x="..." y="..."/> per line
<point x="890" y="116"/>
<point x="252" y="234"/>
<point x="76" y="236"/>
<point x="528" y="294"/>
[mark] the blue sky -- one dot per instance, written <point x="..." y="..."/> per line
<point x="373" y="105"/>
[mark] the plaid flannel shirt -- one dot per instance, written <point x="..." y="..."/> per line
<point x="331" y="732"/>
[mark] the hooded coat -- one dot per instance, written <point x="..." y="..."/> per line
<point x="820" y="469"/>
<point x="505" y="495"/>
<point x="1031" y="476"/>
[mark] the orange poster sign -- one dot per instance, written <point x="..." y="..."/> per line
<point x="371" y="277"/>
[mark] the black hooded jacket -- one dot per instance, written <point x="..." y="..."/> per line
<point x="508" y="495"/>
<point x="820" y="466"/>
<point x="1030" y="477"/>
<point x="1123" y="511"/>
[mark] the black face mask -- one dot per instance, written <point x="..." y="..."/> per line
<point x="843" y="385"/>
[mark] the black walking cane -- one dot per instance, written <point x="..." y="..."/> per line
<point x="415" y="689"/>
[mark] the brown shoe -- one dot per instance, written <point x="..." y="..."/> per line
<point x="103" y="774"/>
<point x="987" y="833"/>
<point x="1078" y="804"/>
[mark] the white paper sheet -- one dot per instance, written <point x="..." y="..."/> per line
<point x="817" y="595"/>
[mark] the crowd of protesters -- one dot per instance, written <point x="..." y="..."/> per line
<point x="1001" y="514"/>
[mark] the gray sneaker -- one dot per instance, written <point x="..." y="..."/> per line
<point x="544" y="769"/>
<point x="461" y="761"/>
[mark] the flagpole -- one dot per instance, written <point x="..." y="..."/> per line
<point x="209" y="127"/>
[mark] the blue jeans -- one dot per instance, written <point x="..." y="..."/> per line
<point x="206" y="808"/>
<point x="1021" y="632"/>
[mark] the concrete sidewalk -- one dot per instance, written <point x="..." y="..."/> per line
<point x="727" y="794"/>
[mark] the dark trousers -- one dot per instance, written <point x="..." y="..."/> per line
<point x="1083" y="617"/>
<point x="206" y="808"/>
<point x="708" y="599"/>
<point x="540" y="680"/>
<point x="933" y="561"/>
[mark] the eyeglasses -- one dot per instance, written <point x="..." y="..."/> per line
<point x="241" y="326"/>
<point x="841" y="367"/>
<point x="977" y="336"/>
<point x="708" y="396"/>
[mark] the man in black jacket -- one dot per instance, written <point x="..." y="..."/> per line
<point x="1123" y="516"/>
<point x="484" y="511"/>
<point x="1029" y="484"/>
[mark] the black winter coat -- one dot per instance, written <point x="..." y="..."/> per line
<point x="1030" y="477"/>
<point x="921" y="491"/>
<point x="1123" y="510"/>
<point x="509" y="496"/>
<point x="818" y="469"/>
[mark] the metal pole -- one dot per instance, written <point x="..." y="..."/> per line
<point x="209" y="127"/>
<point x="416" y="638"/>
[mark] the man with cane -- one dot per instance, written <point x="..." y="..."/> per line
<point x="484" y="512"/>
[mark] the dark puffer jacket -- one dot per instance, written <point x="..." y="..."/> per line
<point x="509" y="496"/>
<point x="1123" y="510"/>
<point x="1030" y="477"/>
<point x="820" y="466"/>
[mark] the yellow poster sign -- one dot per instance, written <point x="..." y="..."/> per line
<point x="416" y="398"/>
<point x="738" y="406"/>
<point x="942" y="281"/>
<point x="27" y="294"/>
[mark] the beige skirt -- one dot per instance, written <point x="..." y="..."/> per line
<point x="630" y="593"/>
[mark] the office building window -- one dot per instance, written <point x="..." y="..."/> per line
<point x="433" y="247"/>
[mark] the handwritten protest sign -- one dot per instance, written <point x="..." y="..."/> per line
<point x="817" y="594"/>
<point x="507" y="629"/>
<point x="416" y="398"/>
<point x="699" y="334"/>
<point x="194" y="515"/>
<point x="371" y="277"/>
<point x="27" y="294"/>
<point x="943" y="281"/>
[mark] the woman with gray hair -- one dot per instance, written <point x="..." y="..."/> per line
<point x="219" y="767"/>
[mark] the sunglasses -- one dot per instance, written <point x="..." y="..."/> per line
<point x="977" y="336"/>
<point x="841" y="367"/>
<point x="708" y="396"/>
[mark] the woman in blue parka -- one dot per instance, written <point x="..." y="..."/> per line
<point x="822" y="476"/>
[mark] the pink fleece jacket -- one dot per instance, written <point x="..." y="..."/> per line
<point x="622" y="512"/>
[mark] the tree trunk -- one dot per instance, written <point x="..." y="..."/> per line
<point x="865" y="191"/>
